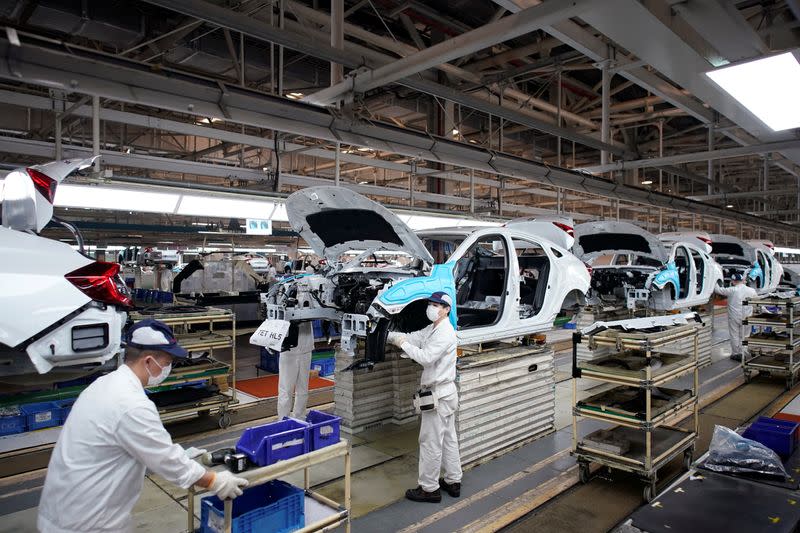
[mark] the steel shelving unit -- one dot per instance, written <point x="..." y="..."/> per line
<point x="650" y="430"/>
<point x="338" y="513"/>
<point x="197" y="332"/>
<point x="775" y="352"/>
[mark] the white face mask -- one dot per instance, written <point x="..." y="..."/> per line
<point x="152" y="380"/>
<point x="432" y="312"/>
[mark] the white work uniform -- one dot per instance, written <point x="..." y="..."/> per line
<point x="97" y="469"/>
<point x="434" y="347"/>
<point x="165" y="280"/>
<point x="737" y="312"/>
<point x="293" y="368"/>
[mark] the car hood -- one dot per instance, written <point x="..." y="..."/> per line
<point x="727" y="247"/>
<point x="334" y="220"/>
<point x="593" y="239"/>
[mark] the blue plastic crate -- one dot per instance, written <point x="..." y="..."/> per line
<point x="10" y="425"/>
<point x="274" y="507"/>
<point x="270" y="443"/>
<point x="41" y="415"/>
<point x="778" y="435"/>
<point x="269" y="361"/>
<point x="65" y="406"/>
<point x="325" y="367"/>
<point x="323" y="429"/>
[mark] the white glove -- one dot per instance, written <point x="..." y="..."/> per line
<point x="226" y="486"/>
<point x="396" y="338"/>
<point x="193" y="452"/>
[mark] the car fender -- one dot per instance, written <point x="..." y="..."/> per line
<point x="400" y="294"/>
<point x="669" y="274"/>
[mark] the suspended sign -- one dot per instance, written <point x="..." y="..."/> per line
<point x="258" y="226"/>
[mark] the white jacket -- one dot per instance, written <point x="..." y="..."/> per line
<point x="435" y="349"/>
<point x="96" y="472"/>
<point x="736" y="294"/>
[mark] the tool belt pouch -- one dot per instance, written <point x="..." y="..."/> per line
<point x="425" y="400"/>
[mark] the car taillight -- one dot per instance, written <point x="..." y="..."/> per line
<point x="705" y="240"/>
<point x="101" y="282"/>
<point x="43" y="183"/>
<point x="566" y="227"/>
<point x="588" y="269"/>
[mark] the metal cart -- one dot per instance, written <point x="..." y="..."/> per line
<point x="653" y="439"/>
<point x="339" y="513"/>
<point x="185" y="325"/>
<point x="776" y="352"/>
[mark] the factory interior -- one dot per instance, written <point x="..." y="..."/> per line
<point x="399" y="266"/>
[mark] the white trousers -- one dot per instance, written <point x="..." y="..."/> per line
<point x="738" y="333"/>
<point x="438" y="445"/>
<point x="293" y="381"/>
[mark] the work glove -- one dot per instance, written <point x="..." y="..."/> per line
<point x="193" y="452"/>
<point x="396" y="338"/>
<point x="226" y="486"/>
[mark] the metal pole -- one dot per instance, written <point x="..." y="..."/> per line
<point x="96" y="130"/>
<point x="606" y="109"/>
<point x="710" y="161"/>
<point x="472" y="190"/>
<point x="558" y="117"/>
<point x="337" y="38"/>
<point x="337" y="164"/>
<point x="272" y="51"/>
<point x="241" y="59"/>
<point x="58" y="136"/>
<point x="280" y="48"/>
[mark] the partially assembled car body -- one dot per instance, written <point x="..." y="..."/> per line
<point x="505" y="281"/>
<point x="633" y="268"/>
<point x="754" y="260"/>
<point x="61" y="313"/>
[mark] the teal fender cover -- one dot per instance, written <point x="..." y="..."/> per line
<point x="756" y="272"/>
<point x="668" y="274"/>
<point x="408" y="290"/>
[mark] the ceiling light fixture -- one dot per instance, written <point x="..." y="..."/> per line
<point x="647" y="182"/>
<point x="767" y="87"/>
<point x="729" y="206"/>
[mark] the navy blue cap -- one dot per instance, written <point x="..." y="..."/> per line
<point x="152" y="334"/>
<point x="737" y="277"/>
<point x="441" y="297"/>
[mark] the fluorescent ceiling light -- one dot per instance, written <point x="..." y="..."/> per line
<point x="223" y="207"/>
<point x="647" y="182"/>
<point x="766" y="87"/>
<point x="729" y="206"/>
<point x="90" y="197"/>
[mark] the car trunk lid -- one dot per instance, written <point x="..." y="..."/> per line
<point x="594" y="239"/>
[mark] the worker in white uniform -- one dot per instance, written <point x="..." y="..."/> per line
<point x="165" y="278"/>
<point x="112" y="435"/>
<point x="434" y="347"/>
<point x="737" y="293"/>
<point x="293" y="368"/>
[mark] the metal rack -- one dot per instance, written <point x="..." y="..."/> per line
<point x="209" y="339"/>
<point x="340" y="513"/>
<point x="653" y="440"/>
<point x="774" y="354"/>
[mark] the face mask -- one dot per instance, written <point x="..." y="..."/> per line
<point x="152" y="380"/>
<point x="432" y="312"/>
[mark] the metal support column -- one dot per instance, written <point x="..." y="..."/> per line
<point x="558" y="116"/>
<point x="337" y="38"/>
<point x="337" y="164"/>
<point x="96" y="130"/>
<point x="281" y="22"/>
<point x="605" y="127"/>
<point x="472" y="190"/>
<point x="710" y="161"/>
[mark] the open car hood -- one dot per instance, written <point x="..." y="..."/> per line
<point x="593" y="239"/>
<point x="727" y="247"/>
<point x="334" y="220"/>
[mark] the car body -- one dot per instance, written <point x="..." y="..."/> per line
<point x="754" y="260"/>
<point x="698" y="238"/>
<point x="61" y="313"/>
<point x="505" y="281"/>
<point x="790" y="279"/>
<point x="632" y="267"/>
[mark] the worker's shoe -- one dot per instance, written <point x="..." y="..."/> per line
<point x="453" y="489"/>
<point x="736" y="356"/>
<point x="420" y="495"/>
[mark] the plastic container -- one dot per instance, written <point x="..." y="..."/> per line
<point x="12" y="424"/>
<point x="274" y="507"/>
<point x="325" y="367"/>
<point x="269" y="361"/>
<point x="323" y="429"/>
<point x="778" y="435"/>
<point x="278" y="441"/>
<point x="65" y="406"/>
<point x="322" y="353"/>
<point x="41" y="415"/>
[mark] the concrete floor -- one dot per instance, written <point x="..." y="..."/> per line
<point x="384" y="465"/>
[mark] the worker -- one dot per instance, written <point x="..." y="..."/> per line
<point x="434" y="347"/>
<point x="165" y="278"/>
<point x="737" y="293"/>
<point x="293" y="368"/>
<point x="112" y="435"/>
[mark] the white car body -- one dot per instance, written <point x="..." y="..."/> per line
<point x="632" y="267"/>
<point x="754" y="260"/>
<point x="371" y="300"/>
<point x="61" y="313"/>
<point x="698" y="238"/>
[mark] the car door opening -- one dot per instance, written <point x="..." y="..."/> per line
<point x="480" y="279"/>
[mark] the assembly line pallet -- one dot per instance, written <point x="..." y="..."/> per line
<point x="775" y="348"/>
<point x="643" y="410"/>
<point x="333" y="515"/>
<point x="195" y="331"/>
